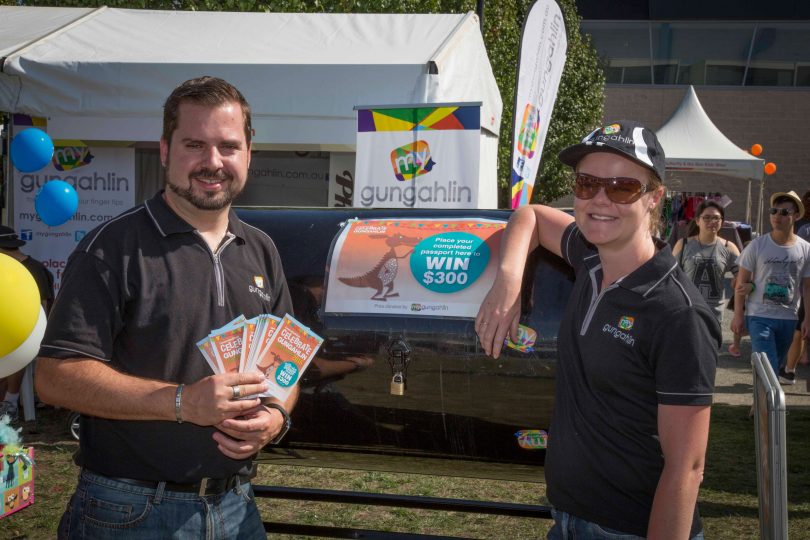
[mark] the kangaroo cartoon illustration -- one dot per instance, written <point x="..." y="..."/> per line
<point x="381" y="277"/>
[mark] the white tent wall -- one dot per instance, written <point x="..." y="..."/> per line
<point x="105" y="76"/>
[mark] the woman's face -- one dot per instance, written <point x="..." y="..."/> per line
<point x="710" y="220"/>
<point x="612" y="225"/>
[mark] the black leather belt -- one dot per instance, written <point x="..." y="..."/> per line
<point x="206" y="486"/>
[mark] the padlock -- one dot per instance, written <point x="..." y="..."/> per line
<point x="398" y="384"/>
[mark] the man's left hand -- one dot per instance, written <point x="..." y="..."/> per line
<point x="243" y="437"/>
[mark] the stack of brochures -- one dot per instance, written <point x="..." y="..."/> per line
<point x="281" y="349"/>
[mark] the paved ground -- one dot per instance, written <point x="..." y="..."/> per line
<point x="734" y="380"/>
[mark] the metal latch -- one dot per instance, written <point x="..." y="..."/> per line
<point x="399" y="354"/>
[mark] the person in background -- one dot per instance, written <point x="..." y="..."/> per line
<point x="637" y="347"/>
<point x="797" y="353"/>
<point x="774" y="274"/>
<point x="10" y="245"/>
<point x="167" y="447"/>
<point x="705" y="257"/>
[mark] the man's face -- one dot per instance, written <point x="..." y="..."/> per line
<point x="783" y="223"/>
<point x="208" y="158"/>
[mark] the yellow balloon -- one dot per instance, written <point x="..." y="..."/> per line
<point x="19" y="304"/>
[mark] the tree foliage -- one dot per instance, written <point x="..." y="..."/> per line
<point x="579" y="100"/>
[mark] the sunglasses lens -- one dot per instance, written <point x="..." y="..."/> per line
<point x="624" y="190"/>
<point x="586" y="187"/>
<point x="780" y="211"/>
<point x="618" y="190"/>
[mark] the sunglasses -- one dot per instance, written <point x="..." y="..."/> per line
<point x="619" y="189"/>
<point x="781" y="211"/>
<point x="710" y="219"/>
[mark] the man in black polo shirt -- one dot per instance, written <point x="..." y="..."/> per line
<point x="637" y="347"/>
<point x="166" y="446"/>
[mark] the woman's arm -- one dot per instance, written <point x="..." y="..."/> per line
<point x="683" y="431"/>
<point x="528" y="227"/>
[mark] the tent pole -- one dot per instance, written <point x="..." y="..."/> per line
<point x="761" y="196"/>
<point x="748" y="205"/>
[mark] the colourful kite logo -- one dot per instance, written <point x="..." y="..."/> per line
<point x="70" y="155"/>
<point x="532" y="439"/>
<point x="611" y="129"/>
<point x="527" y="138"/>
<point x="411" y="160"/>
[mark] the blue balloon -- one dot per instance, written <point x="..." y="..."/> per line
<point x="31" y="150"/>
<point x="56" y="202"/>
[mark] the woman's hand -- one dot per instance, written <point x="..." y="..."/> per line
<point x="738" y="324"/>
<point x="744" y="288"/>
<point x="499" y="314"/>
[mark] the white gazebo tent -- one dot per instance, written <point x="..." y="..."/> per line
<point x="693" y="143"/>
<point x="102" y="74"/>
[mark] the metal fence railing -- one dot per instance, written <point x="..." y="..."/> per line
<point x="769" y="421"/>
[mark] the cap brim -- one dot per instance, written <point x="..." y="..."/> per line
<point x="573" y="154"/>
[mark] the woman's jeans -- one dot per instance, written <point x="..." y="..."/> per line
<point x="570" y="527"/>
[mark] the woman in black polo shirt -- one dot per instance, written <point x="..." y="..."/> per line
<point x="635" y="377"/>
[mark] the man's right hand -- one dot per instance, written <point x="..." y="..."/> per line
<point x="211" y="400"/>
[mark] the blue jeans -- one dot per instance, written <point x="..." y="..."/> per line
<point x="570" y="527"/>
<point x="103" y="508"/>
<point x="772" y="337"/>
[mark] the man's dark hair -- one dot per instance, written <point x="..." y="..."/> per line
<point x="208" y="91"/>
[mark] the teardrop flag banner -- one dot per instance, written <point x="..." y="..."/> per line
<point x="543" y="45"/>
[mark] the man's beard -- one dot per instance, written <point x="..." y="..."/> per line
<point x="206" y="200"/>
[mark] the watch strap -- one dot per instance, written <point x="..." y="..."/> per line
<point x="287" y="422"/>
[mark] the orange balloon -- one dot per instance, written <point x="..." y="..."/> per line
<point x="770" y="168"/>
<point x="756" y="149"/>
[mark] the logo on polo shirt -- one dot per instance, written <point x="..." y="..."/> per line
<point x="257" y="288"/>
<point x="621" y="333"/>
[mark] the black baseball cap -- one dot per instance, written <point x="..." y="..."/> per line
<point x="624" y="137"/>
<point x="9" y="238"/>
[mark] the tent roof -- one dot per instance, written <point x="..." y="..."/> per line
<point x="22" y="26"/>
<point x="692" y="142"/>
<point x="295" y="69"/>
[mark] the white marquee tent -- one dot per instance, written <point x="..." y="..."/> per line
<point x="103" y="74"/>
<point x="693" y="143"/>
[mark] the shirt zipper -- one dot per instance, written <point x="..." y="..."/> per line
<point x="594" y="300"/>
<point x="219" y="273"/>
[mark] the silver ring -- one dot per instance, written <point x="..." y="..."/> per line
<point x="484" y="323"/>
<point x="237" y="391"/>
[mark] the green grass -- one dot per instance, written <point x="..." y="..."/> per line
<point x="728" y="498"/>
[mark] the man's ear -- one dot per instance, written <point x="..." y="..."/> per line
<point x="164" y="152"/>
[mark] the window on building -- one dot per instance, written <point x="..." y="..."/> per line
<point x="702" y="53"/>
